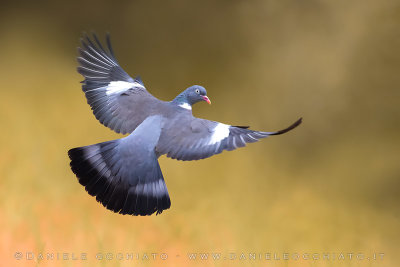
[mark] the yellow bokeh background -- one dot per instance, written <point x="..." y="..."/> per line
<point x="330" y="186"/>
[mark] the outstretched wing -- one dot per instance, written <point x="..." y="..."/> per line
<point x="118" y="101"/>
<point x="193" y="138"/>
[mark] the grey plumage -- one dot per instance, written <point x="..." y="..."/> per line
<point x="124" y="174"/>
<point x="116" y="111"/>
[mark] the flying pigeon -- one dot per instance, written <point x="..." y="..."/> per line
<point x="124" y="174"/>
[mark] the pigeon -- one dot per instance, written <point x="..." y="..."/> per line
<point x="124" y="174"/>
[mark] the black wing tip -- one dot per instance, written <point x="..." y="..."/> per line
<point x="87" y="39"/>
<point x="92" y="40"/>
<point x="291" y="127"/>
<point x="84" y="37"/>
<point x="109" y="46"/>
<point x="93" y="36"/>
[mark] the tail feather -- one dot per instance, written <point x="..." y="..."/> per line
<point x="122" y="183"/>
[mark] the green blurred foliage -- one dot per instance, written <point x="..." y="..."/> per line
<point x="330" y="185"/>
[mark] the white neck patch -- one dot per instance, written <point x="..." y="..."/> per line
<point x="186" y="106"/>
<point x="220" y="132"/>
<point x="115" y="87"/>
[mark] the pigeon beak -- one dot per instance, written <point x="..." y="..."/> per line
<point x="205" y="98"/>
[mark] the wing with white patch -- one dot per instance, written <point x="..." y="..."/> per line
<point x="118" y="101"/>
<point x="189" y="138"/>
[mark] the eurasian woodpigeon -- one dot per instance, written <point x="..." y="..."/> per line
<point x="124" y="174"/>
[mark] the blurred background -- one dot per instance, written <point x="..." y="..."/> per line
<point x="330" y="186"/>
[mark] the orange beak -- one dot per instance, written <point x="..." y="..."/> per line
<point x="205" y="98"/>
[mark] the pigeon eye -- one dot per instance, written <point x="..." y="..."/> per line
<point x="197" y="91"/>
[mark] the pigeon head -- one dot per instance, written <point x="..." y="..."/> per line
<point x="192" y="95"/>
<point x="196" y="93"/>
